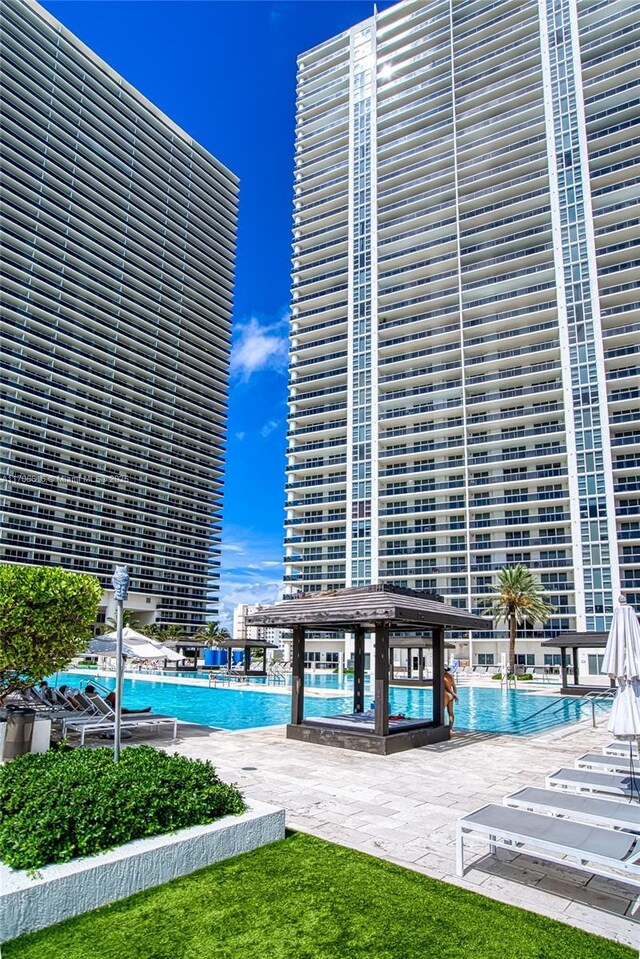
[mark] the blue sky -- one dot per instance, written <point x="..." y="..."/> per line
<point x="225" y="72"/>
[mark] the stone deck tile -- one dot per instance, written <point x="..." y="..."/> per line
<point x="618" y="928"/>
<point x="403" y="808"/>
<point x="585" y="894"/>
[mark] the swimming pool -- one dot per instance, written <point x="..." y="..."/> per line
<point x="322" y="679"/>
<point x="480" y="709"/>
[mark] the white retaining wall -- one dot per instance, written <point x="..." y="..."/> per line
<point x="59" y="891"/>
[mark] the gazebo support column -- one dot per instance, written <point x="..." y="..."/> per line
<point x="420" y="665"/>
<point x="297" y="676"/>
<point x="358" y="670"/>
<point x="438" y="675"/>
<point x="563" y="668"/>
<point x="576" y="666"/>
<point x="381" y="727"/>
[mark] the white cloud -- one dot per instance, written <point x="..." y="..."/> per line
<point x="269" y="427"/>
<point x="232" y="592"/>
<point x="259" y="348"/>
<point x="250" y="572"/>
<point x="240" y="436"/>
<point x="232" y="548"/>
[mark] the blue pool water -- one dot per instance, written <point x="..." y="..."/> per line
<point x="480" y="709"/>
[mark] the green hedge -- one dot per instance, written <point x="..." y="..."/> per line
<point x="520" y="676"/>
<point x="59" y="805"/>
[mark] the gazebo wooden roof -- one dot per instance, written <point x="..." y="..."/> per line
<point x="574" y="642"/>
<point x="378" y="609"/>
<point x="245" y="644"/>
<point x="577" y="641"/>
<point x="365" y="606"/>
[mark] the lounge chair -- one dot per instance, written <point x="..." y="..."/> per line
<point x="588" y="781"/>
<point x="100" y="724"/>
<point x="618" y="748"/>
<point x="604" y="764"/>
<point x="95" y="707"/>
<point x="51" y="710"/>
<point x="600" y="851"/>
<point x="540" y="674"/>
<point x="608" y="813"/>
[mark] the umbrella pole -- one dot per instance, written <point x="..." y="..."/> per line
<point x="120" y="582"/>
<point x="119" y="664"/>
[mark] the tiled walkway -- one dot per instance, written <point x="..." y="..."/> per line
<point x="403" y="808"/>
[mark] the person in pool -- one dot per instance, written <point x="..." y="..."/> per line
<point x="450" y="695"/>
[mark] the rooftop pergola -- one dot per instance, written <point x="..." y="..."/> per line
<point x="574" y="642"/>
<point x="360" y="610"/>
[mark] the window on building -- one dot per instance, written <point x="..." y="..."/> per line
<point x="486" y="659"/>
<point x="525" y="659"/>
<point x="595" y="660"/>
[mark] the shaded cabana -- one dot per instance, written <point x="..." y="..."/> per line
<point x="246" y="645"/>
<point x="417" y="645"/>
<point x="361" y="610"/>
<point x="575" y="641"/>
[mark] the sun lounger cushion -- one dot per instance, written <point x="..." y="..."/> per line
<point x="603" y="812"/>
<point x="561" y="833"/>
<point x="611" y="783"/>
<point x="597" y="761"/>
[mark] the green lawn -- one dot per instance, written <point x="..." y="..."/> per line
<point x="304" y="898"/>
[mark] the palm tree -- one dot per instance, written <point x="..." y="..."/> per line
<point x="129" y="618"/>
<point x="213" y="634"/>
<point x="519" y="598"/>
<point x="172" y="634"/>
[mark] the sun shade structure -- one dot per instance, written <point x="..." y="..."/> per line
<point x="248" y="645"/>
<point x="416" y="648"/>
<point x="622" y="664"/>
<point x="574" y="642"/>
<point x="378" y="610"/>
<point x="138" y="646"/>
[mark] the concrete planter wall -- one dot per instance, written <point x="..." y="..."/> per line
<point x="70" y="889"/>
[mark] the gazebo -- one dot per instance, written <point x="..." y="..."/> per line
<point x="360" y="610"/>
<point x="411" y="644"/>
<point x="247" y="645"/>
<point x="574" y="642"/>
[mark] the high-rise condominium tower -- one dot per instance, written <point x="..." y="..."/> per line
<point x="118" y="239"/>
<point x="464" y="372"/>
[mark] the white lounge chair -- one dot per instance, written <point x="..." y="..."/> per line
<point x="49" y="708"/>
<point x="104" y="724"/>
<point x="618" y="748"/>
<point x="604" y="764"/>
<point x="100" y="718"/>
<point x="600" y="851"/>
<point x="608" y="813"/>
<point x="588" y="781"/>
<point x="540" y="674"/>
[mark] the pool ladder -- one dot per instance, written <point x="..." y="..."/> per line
<point x="592" y="697"/>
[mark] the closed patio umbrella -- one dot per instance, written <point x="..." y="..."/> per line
<point x="622" y="663"/>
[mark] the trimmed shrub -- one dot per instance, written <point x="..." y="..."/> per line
<point x="519" y="676"/>
<point x="59" y="805"/>
<point x="46" y="618"/>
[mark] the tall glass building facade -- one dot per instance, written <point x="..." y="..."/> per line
<point x="464" y="386"/>
<point x="118" y="245"/>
